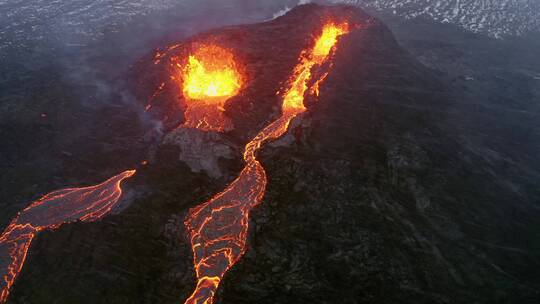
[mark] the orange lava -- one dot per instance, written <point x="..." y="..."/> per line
<point x="209" y="77"/>
<point x="52" y="210"/>
<point x="218" y="228"/>
<point x="294" y="98"/>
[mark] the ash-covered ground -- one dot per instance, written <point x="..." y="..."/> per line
<point x="413" y="179"/>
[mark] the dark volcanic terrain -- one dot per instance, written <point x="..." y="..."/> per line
<point x="403" y="183"/>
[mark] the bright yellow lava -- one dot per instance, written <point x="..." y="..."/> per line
<point x="211" y="72"/>
<point x="294" y="97"/>
<point x="328" y="39"/>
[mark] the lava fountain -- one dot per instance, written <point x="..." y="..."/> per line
<point x="210" y="76"/>
<point x="218" y="228"/>
<point x="87" y="204"/>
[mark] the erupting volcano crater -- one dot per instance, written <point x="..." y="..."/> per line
<point x="209" y="77"/>
<point x="212" y="80"/>
<point x="216" y="90"/>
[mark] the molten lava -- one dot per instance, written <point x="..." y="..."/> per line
<point x="211" y="72"/>
<point x="210" y="76"/>
<point x="52" y="210"/>
<point x="218" y="228"/>
<point x="294" y="98"/>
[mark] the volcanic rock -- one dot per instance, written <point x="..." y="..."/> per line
<point x="372" y="197"/>
<point x="200" y="150"/>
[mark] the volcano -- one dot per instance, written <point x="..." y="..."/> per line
<point x="368" y="197"/>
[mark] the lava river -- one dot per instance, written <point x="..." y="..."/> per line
<point x="218" y="228"/>
<point x="86" y="204"/>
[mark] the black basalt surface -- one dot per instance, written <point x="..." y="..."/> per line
<point x="376" y="200"/>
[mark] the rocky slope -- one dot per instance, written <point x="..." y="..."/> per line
<point x="374" y="196"/>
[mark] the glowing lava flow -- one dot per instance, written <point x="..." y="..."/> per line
<point x="218" y="228"/>
<point x="210" y="77"/>
<point x="52" y="210"/>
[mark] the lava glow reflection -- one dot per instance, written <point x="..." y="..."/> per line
<point x="218" y="228"/>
